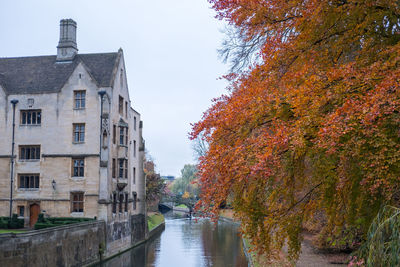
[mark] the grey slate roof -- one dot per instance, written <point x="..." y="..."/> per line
<point x="42" y="74"/>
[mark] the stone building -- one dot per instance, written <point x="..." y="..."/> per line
<point x="78" y="142"/>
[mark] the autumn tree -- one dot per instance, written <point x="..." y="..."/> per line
<point x="154" y="184"/>
<point x="309" y="132"/>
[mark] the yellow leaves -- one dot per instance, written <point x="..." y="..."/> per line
<point x="186" y="195"/>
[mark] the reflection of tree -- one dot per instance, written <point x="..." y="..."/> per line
<point x="222" y="245"/>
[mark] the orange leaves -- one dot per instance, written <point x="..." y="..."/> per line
<point x="313" y="129"/>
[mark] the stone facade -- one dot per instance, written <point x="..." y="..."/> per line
<point x="51" y="85"/>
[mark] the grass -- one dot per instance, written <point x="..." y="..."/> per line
<point x="154" y="220"/>
<point x="6" y="231"/>
<point x="182" y="206"/>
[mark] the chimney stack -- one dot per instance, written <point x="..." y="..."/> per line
<point x="67" y="48"/>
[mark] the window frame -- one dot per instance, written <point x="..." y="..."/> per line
<point x="80" y="169"/>
<point x="81" y="134"/>
<point x="29" y="181"/>
<point x="123" y="169"/>
<point x="121" y="105"/>
<point x="122" y="136"/>
<point x="79" y="202"/>
<point x="28" y="113"/>
<point x="21" y="208"/>
<point x="80" y="100"/>
<point x="23" y="150"/>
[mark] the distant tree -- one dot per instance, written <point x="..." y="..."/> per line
<point x="155" y="186"/>
<point x="186" y="183"/>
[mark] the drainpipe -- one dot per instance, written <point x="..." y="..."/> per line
<point x="14" y="103"/>
<point x="101" y="93"/>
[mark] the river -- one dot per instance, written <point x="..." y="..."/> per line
<point x="187" y="243"/>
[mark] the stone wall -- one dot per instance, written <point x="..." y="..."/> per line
<point x="70" y="245"/>
<point x="138" y="226"/>
<point x="118" y="237"/>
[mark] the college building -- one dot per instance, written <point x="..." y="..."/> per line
<point x="77" y="141"/>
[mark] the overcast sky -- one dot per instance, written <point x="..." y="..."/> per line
<point x="170" y="50"/>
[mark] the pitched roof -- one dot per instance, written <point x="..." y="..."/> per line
<point x="43" y="74"/>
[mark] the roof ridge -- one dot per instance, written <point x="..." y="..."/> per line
<point x="79" y="54"/>
<point x="27" y="57"/>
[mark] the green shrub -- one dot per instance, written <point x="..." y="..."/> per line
<point x="58" y="221"/>
<point x="3" y="223"/>
<point x="41" y="218"/>
<point x="39" y="225"/>
<point x="15" y="223"/>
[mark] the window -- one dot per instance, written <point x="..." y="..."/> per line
<point x="121" y="200"/>
<point x="126" y="109"/>
<point x="28" y="181"/>
<point x="121" y="135"/>
<point x="134" y="123"/>
<point x="126" y="202"/>
<point x="78" y="167"/>
<point x="114" y="206"/>
<point x="114" y="133"/>
<point x="79" y="99"/>
<point x="134" y="175"/>
<point x="121" y="105"/>
<point x="134" y="148"/>
<point x="113" y="168"/>
<point x="76" y="202"/>
<point x="126" y="136"/>
<point x="31" y="117"/>
<point x="29" y="152"/>
<point x="134" y="200"/>
<point x="21" y="211"/>
<point x="123" y="168"/>
<point x="79" y="132"/>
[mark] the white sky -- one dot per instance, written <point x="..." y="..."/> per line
<point x="170" y="50"/>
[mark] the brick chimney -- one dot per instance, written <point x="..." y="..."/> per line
<point x="67" y="48"/>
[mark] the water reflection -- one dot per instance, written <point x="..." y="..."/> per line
<point x="185" y="242"/>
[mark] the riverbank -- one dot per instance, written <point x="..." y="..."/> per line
<point x="309" y="255"/>
<point x="154" y="219"/>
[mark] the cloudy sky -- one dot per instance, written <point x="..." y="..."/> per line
<point x="170" y="50"/>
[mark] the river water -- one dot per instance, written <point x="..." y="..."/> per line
<point x="187" y="243"/>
